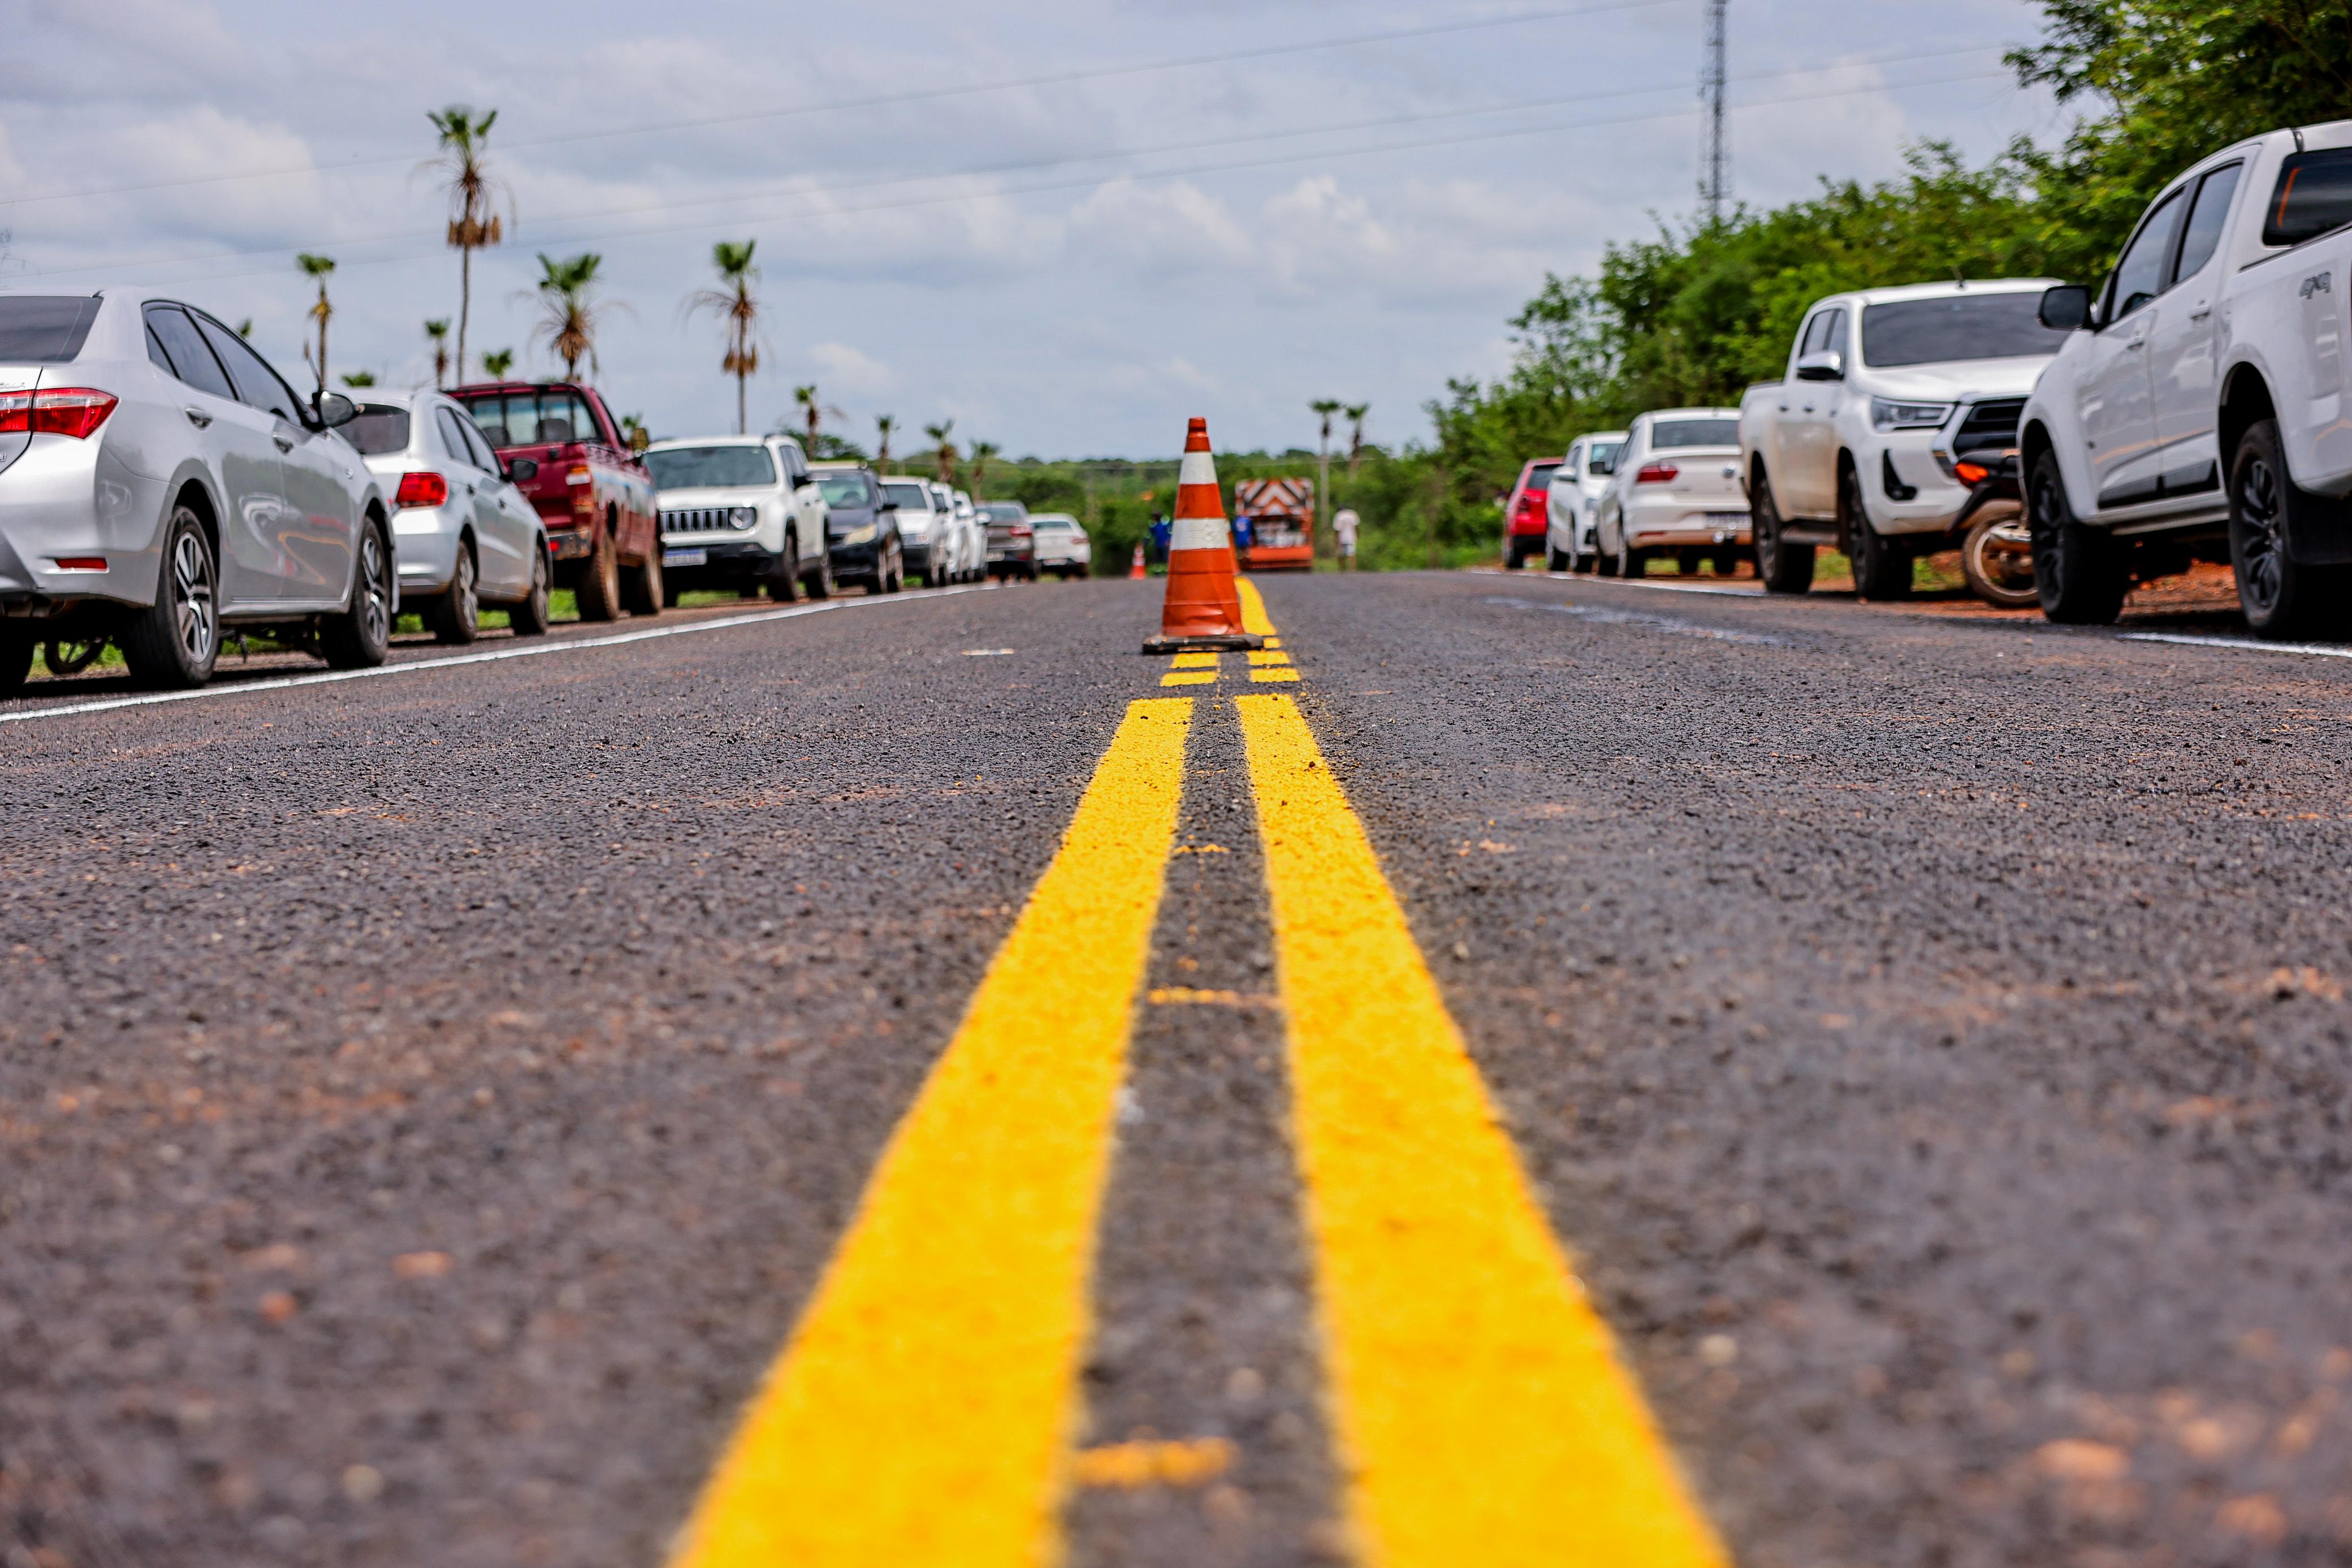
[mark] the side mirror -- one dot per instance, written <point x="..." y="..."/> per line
<point x="1822" y="365"/>
<point x="334" y="411"/>
<point x="522" y="470"/>
<point x="1600" y="465"/>
<point x="889" y="505"/>
<point x="2066" y="307"/>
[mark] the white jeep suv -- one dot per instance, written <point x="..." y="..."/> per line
<point x="740" y="512"/>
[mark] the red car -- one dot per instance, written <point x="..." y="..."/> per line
<point x="1527" y="516"/>
<point x="565" y="451"/>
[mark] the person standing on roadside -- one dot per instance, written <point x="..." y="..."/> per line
<point x="1343" y="532"/>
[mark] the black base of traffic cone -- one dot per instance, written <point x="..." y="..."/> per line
<point x="1221" y="643"/>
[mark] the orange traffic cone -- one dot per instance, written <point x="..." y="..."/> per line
<point x="1202" y="610"/>
<point x="1135" y="568"/>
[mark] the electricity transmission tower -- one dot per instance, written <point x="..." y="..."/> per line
<point x="1715" y="153"/>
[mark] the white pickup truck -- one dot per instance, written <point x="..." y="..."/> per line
<point x="1895" y="399"/>
<point x="2199" y="404"/>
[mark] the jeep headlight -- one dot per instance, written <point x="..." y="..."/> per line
<point x="863" y="536"/>
<point x="743" y="517"/>
<point x="1885" y="414"/>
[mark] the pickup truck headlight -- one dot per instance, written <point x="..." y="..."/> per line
<point x="743" y="517"/>
<point x="863" y="536"/>
<point x="1885" y="414"/>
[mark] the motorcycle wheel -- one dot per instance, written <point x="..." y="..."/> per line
<point x="1997" y="559"/>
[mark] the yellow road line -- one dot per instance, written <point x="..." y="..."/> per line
<point x="922" y="1410"/>
<point x="1479" y="1404"/>
<point x="1207" y="661"/>
<point x="1189" y="678"/>
<point x="1254" y="618"/>
<point x="1268" y="659"/>
<point x="1269" y="677"/>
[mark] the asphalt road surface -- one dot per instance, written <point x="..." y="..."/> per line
<point x="899" y="1082"/>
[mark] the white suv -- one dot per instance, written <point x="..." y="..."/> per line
<point x="740" y="512"/>
<point x="925" y="527"/>
<point x="1572" y="542"/>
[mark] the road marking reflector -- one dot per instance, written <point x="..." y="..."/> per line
<point x="1479" y="1403"/>
<point x="1185" y="996"/>
<point x="922" y="1408"/>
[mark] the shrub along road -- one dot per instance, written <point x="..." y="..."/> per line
<point x="443" y="1117"/>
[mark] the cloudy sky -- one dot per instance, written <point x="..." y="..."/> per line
<point x="1065" y="225"/>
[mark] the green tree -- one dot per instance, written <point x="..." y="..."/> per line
<point x="947" y="451"/>
<point x="805" y="397"/>
<point x="473" y="196"/>
<point x="357" y="379"/>
<point x="884" y="424"/>
<point x="497" y="363"/>
<point x="569" y="317"/>
<point x="436" y="332"/>
<point x="1355" y="412"/>
<point x="983" y="452"/>
<point x="317" y="267"/>
<point x="736" y="306"/>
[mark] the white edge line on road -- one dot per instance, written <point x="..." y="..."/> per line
<point x="414" y="666"/>
<point x="2245" y="645"/>
<point x="1658" y="587"/>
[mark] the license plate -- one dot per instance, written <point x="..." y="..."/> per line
<point x="1729" y="519"/>
<point x="686" y="557"/>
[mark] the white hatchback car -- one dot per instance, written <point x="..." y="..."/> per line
<point x="465" y="536"/>
<point x="1572" y="541"/>
<point x="160" y="481"/>
<point x="1063" y="547"/>
<point x="1676" y="493"/>
<point x="974" y="537"/>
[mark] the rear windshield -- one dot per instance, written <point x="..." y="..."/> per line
<point x="379" y="428"/>
<point x="1057" y="525"/>
<point x="711" y="468"/>
<point x="2314" y="196"/>
<point x="44" y="329"/>
<point x="1965" y="327"/>
<point x="544" y="417"/>
<point x="912" y="497"/>
<point x="1677" y="432"/>
<point x="846" y="489"/>
<point x="1002" y="511"/>
<point x="1539" y="476"/>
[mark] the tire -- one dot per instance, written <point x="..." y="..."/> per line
<point x="174" y="642"/>
<point x="599" y="589"/>
<point x="1555" y="559"/>
<point x="457" y="615"/>
<point x="2080" y="574"/>
<point x="528" y="617"/>
<point x="1785" y="568"/>
<point x="2283" y="598"/>
<point x="1881" y="568"/>
<point x="819" y="580"/>
<point x="642" y="590"/>
<point x="16" y="659"/>
<point x="1515" y="553"/>
<point x="1992" y="555"/>
<point x="784" y="587"/>
<point x="361" y="636"/>
<point x="1632" y="562"/>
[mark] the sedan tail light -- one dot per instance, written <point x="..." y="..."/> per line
<point x="1021" y="531"/>
<point x="1656" y="474"/>
<point x="422" y="488"/>
<point x="77" y="412"/>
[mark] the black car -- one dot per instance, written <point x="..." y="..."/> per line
<point x="861" y="527"/>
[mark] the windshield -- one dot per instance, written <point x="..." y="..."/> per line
<point x="711" y="468"/>
<point x="845" y="489"/>
<point x="1002" y="512"/>
<point x="379" y="428"/>
<point x="1602" y="455"/>
<point x="1683" y="432"/>
<point x="1965" y="327"/>
<point x="44" y="329"/>
<point x="544" y="416"/>
<point x="910" y="497"/>
<point x="1055" y="525"/>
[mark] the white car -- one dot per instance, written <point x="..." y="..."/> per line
<point x="1571" y="542"/>
<point x="463" y="534"/>
<point x="2200" y="399"/>
<point x="159" y="481"/>
<point x="974" y="560"/>
<point x="740" y="512"/>
<point x="926" y="526"/>
<point x="1889" y="391"/>
<point x="1063" y="547"/>
<point x="1675" y="491"/>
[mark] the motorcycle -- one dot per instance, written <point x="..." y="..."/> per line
<point x="1996" y="548"/>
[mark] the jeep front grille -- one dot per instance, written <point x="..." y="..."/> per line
<point x="697" y="520"/>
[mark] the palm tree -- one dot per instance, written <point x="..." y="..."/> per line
<point x="939" y="435"/>
<point x="497" y="363"/>
<point x="1326" y="407"/>
<point x="806" y="398"/>
<point x="436" y="332"/>
<point x="982" y="451"/>
<point x="568" y="322"/>
<point x="318" y="267"/>
<point x="1355" y="412"/>
<point x="884" y="424"/>
<point x="735" y="305"/>
<point x="359" y="378"/>
<point x="634" y="431"/>
<point x="473" y="197"/>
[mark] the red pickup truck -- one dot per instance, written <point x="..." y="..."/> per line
<point x="562" y="448"/>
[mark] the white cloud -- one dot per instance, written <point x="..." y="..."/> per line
<point x="847" y="369"/>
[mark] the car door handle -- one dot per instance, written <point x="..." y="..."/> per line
<point x="283" y="444"/>
<point x="197" y="416"/>
<point x="2200" y="313"/>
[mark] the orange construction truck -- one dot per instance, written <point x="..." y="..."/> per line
<point x="1282" y="524"/>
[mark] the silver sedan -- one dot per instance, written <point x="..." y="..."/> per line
<point x="160" y="481"/>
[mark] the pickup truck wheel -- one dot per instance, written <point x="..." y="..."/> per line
<point x="599" y="590"/>
<point x="456" y="616"/>
<point x="361" y="636"/>
<point x="529" y="616"/>
<point x="1881" y="568"/>
<point x="644" y="586"/>
<point x="1785" y="568"/>
<point x="16" y="659"/>
<point x="1555" y="559"/>
<point x="2079" y="574"/>
<point x="2281" y="597"/>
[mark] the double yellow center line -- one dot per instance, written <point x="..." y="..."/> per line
<point x="922" y="1412"/>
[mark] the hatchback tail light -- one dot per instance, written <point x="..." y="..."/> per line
<point x="422" y="488"/>
<point x="77" y="412"/>
<point x="1656" y="474"/>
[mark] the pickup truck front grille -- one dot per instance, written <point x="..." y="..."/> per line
<point x="697" y="520"/>
<point x="1991" y="423"/>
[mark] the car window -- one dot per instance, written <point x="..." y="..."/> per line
<point x="453" y="436"/>
<point x="711" y="468"/>
<point x="911" y="497"/>
<point x="845" y="490"/>
<point x="543" y="416"/>
<point x="170" y="334"/>
<point x="484" y="458"/>
<point x="45" y="329"/>
<point x="258" y="386"/>
<point x="1956" y="328"/>
<point x="378" y="429"/>
<point x="2140" y="276"/>
<point x="1817" y="331"/>
<point x="1539" y="475"/>
<point x="2206" y="216"/>
<point x="796" y="470"/>
<point x="1603" y="453"/>
<point x="2314" y="196"/>
<point x="1674" y="434"/>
